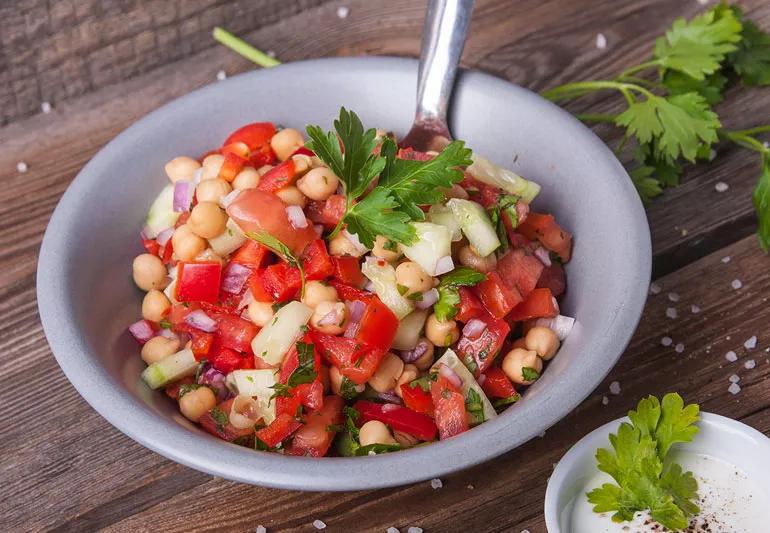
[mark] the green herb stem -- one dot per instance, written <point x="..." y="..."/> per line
<point x="581" y="88"/>
<point x="638" y="68"/>
<point x="596" y="117"/>
<point x="746" y="140"/>
<point x="243" y="48"/>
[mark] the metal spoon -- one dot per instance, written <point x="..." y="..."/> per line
<point x="443" y="39"/>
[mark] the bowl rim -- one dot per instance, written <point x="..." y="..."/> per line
<point x="140" y="423"/>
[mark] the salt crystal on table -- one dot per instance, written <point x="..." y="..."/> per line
<point x="735" y="378"/>
<point x="21" y="167"/>
<point x="666" y="341"/>
<point x="605" y="400"/>
<point x="674" y="297"/>
<point x="471" y="487"/>
<point x="343" y="12"/>
<point x="436" y="483"/>
<point x="221" y="75"/>
<point x="679" y="348"/>
<point x="261" y="529"/>
<point x="615" y="388"/>
<point x="721" y="186"/>
<point x="734" y="388"/>
<point x="695" y="309"/>
<point x="525" y="531"/>
<point x="392" y="529"/>
<point x="736" y="284"/>
<point x="45" y="107"/>
<point x="751" y="343"/>
<point x="414" y="529"/>
<point x="703" y="2"/>
<point x="601" y="41"/>
<point x="654" y="288"/>
<point x="731" y="356"/>
<point x="750" y="364"/>
<point x="319" y="524"/>
<point x="726" y="259"/>
<point x="671" y="312"/>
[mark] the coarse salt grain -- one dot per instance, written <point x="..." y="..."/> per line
<point x="731" y="356"/>
<point x="654" y="288"/>
<point x="750" y="343"/>
<point x="750" y="364"/>
<point x="734" y="388"/>
<point x="679" y="348"/>
<point x="735" y="378"/>
<point x="703" y="2"/>
<point x="666" y="341"/>
<point x="605" y="400"/>
<point x="45" y="107"/>
<point x="343" y="12"/>
<point x="471" y="487"/>
<point x="601" y="41"/>
<point x="436" y="483"/>
<point x="615" y="388"/>
<point x="671" y="312"/>
<point x="319" y="524"/>
<point x="221" y="75"/>
<point x="736" y="284"/>
<point x="392" y="529"/>
<point x="726" y="259"/>
<point x="525" y="531"/>
<point x="414" y="529"/>
<point x="695" y="309"/>
<point x="721" y="186"/>
<point x="261" y="529"/>
<point x="674" y="297"/>
<point x="21" y="167"/>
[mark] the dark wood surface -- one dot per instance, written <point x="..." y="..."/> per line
<point x="104" y="64"/>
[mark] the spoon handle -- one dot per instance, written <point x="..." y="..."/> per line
<point x="446" y="23"/>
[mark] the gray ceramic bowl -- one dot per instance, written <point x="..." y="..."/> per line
<point x="87" y="299"/>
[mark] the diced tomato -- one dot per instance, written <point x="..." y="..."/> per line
<point x="304" y="151"/>
<point x="449" y="406"/>
<point x="346" y="292"/>
<point x="496" y="384"/>
<point x="201" y="343"/>
<point x="316" y="261"/>
<point x="347" y="269"/>
<point x="257" y="288"/>
<point x="416" y="399"/>
<point x="261" y="211"/>
<point x="470" y="306"/>
<point x="251" y="254"/>
<point x="177" y="315"/>
<point x="521" y="270"/>
<point x="479" y="353"/>
<point x="311" y="395"/>
<point x="280" y="176"/>
<point x="238" y="148"/>
<point x="281" y="281"/>
<point x="279" y="430"/>
<point x="355" y="360"/>
<point x="497" y="296"/>
<point x="329" y="212"/>
<point x="198" y="281"/>
<point x="219" y="424"/>
<point x="315" y="436"/>
<point x="545" y="229"/>
<point x="553" y="278"/>
<point x="377" y="326"/>
<point x="488" y="196"/>
<point x="152" y="246"/>
<point x="224" y="359"/>
<point x="231" y="166"/>
<point x="308" y="394"/>
<point x="399" y="418"/>
<point x="248" y="362"/>
<point x="540" y="303"/>
<point x="409" y="153"/>
<point x="166" y="252"/>
<point x="234" y="332"/>
<point x="257" y="137"/>
<point x="172" y="391"/>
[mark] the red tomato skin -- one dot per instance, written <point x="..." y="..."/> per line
<point x="377" y="326"/>
<point x="417" y="399"/>
<point x="496" y="295"/>
<point x="278" y="430"/>
<point x="316" y="261"/>
<point x="234" y="332"/>
<point x="553" y="278"/>
<point x="354" y="359"/>
<point x="281" y="281"/>
<point x="539" y="304"/>
<point x="260" y="211"/>
<point x="201" y="343"/>
<point x="278" y="177"/>
<point x="521" y="270"/>
<point x="257" y="288"/>
<point x="314" y="438"/>
<point x="496" y="384"/>
<point x="449" y="405"/>
<point x="198" y="281"/>
<point x="347" y="270"/>
<point x="328" y="212"/>
<point x="224" y="359"/>
<point x="350" y="294"/>
<point x="256" y="137"/>
<point x="481" y="352"/>
<point x="545" y="229"/>
<point x="399" y="418"/>
<point x="470" y="305"/>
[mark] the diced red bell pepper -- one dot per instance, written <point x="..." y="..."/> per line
<point x="416" y="399"/>
<point x="553" y="278"/>
<point x="346" y="292"/>
<point x="281" y="281"/>
<point x="239" y="148"/>
<point x="545" y="229"/>
<point x="496" y="384"/>
<point x="231" y="166"/>
<point x="540" y="303"/>
<point x="449" y="405"/>
<point x="198" y="281"/>
<point x="470" y="306"/>
<point x="257" y="137"/>
<point x="347" y="269"/>
<point x="258" y="288"/>
<point x="399" y="418"/>
<point x="177" y="315"/>
<point x="328" y="212"/>
<point x="355" y="360"/>
<point x="213" y="424"/>
<point x="315" y="436"/>
<point x="479" y="353"/>
<point x="224" y="359"/>
<point x="279" y="430"/>
<point x="251" y="254"/>
<point x="378" y="325"/>
<point x="234" y="332"/>
<point x="304" y="151"/>
<point x="201" y="343"/>
<point x="278" y="177"/>
<point x="308" y="394"/>
<point x="496" y="295"/>
<point x="316" y="261"/>
<point x="152" y="246"/>
<point x="521" y="270"/>
<point x="166" y="252"/>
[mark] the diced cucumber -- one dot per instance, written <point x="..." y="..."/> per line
<point x="487" y="172"/>
<point x="230" y="240"/>
<point x="274" y="340"/>
<point x="433" y="242"/>
<point x="442" y="215"/>
<point x="170" y="368"/>
<point x="257" y="384"/>
<point x="383" y="277"/>
<point x="409" y="329"/>
<point x="476" y="226"/>
<point x="451" y="360"/>
<point x="161" y="214"/>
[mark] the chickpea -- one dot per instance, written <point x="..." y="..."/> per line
<point x="157" y="348"/>
<point x="387" y="374"/>
<point x="405" y="440"/>
<point x="336" y="379"/>
<point x="209" y="255"/>
<point x="543" y="341"/>
<point x="375" y="432"/>
<point x="292" y="196"/>
<point x="317" y="292"/>
<point x="302" y="163"/>
<point x="319" y="183"/>
<point x="285" y="142"/>
<point x="196" y="403"/>
<point x="470" y="258"/>
<point x="425" y="361"/>
<point x="212" y="190"/>
<point x="518" y="361"/>
<point x="155" y="305"/>
<point x="341" y="245"/>
<point x="181" y="168"/>
<point x="411" y="275"/>
<point x="410" y="373"/>
<point x="187" y="245"/>
<point x="260" y="313"/>
<point x="212" y="164"/>
<point x="248" y="178"/>
<point x="386" y="249"/>
<point x="330" y="317"/>
<point x="441" y="333"/>
<point x="207" y="220"/>
<point x="149" y="272"/>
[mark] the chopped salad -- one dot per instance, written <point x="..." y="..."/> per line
<point x="336" y="294"/>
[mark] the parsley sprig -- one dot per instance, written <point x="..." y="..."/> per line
<point x="399" y="185"/>
<point x="447" y="306"/>
<point x="637" y="463"/>
<point x="669" y="99"/>
<point x="280" y="249"/>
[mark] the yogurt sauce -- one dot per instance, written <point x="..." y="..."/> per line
<point x="730" y="502"/>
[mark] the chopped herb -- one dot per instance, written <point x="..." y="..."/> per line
<point x="201" y="365"/>
<point x="416" y="297"/>
<point x="390" y="245"/>
<point x="502" y="402"/>
<point x="250" y="379"/>
<point x="474" y="405"/>
<point x="165" y="324"/>
<point x="376" y="448"/>
<point x="280" y="390"/>
<point x="348" y="389"/>
<point x="422" y="382"/>
<point x="334" y="427"/>
<point x="277" y="305"/>
<point x="351" y="415"/>
<point x="267" y="240"/>
<point x="529" y="374"/>
<point x="305" y="371"/>
<point x="187" y="387"/>
<point x="447" y="306"/>
<point x="220" y="418"/>
<point x="402" y="289"/>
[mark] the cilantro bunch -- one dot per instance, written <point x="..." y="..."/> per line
<point x="669" y="115"/>
<point x="644" y="479"/>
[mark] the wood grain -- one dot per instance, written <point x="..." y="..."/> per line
<point x="65" y="468"/>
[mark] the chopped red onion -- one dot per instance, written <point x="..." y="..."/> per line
<point x="319" y="229"/>
<point x="246" y="299"/>
<point x="167" y="333"/>
<point x="356" y="308"/>
<point x="451" y="375"/>
<point x="334" y="316"/>
<point x="544" y="256"/>
<point x="147" y="233"/>
<point x="352" y="237"/>
<point x="142" y="331"/>
<point x="369" y="287"/>
<point x="215" y="379"/>
<point x="235" y="277"/>
<point x="428" y="298"/>
<point x="410" y="356"/>
<point x="389" y="397"/>
<point x="351" y="331"/>
<point x="229" y="198"/>
<point x="183" y="195"/>
<point x="200" y="320"/>
<point x="390" y="407"/>
<point x="165" y="236"/>
<point x="555" y="304"/>
<point x="444" y="265"/>
<point x="560" y="324"/>
<point x="296" y="216"/>
<point x="522" y="211"/>
<point x="474" y="328"/>
<point x="481" y="379"/>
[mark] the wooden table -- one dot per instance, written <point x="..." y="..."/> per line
<point x="103" y="65"/>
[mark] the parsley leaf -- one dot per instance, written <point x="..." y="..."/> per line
<point x="351" y="415"/>
<point x="530" y="374"/>
<point x="751" y="61"/>
<point x="646" y="184"/>
<point x="281" y="390"/>
<point x="376" y="448"/>
<point x="710" y="87"/>
<point x="761" y="199"/>
<point x="503" y="402"/>
<point x="446" y="307"/>
<point x="305" y="371"/>
<point x="474" y="406"/>
<point x="279" y="248"/>
<point x="348" y="389"/>
<point x="188" y="387"/>
<point x="376" y="215"/>
<point x="220" y="418"/>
